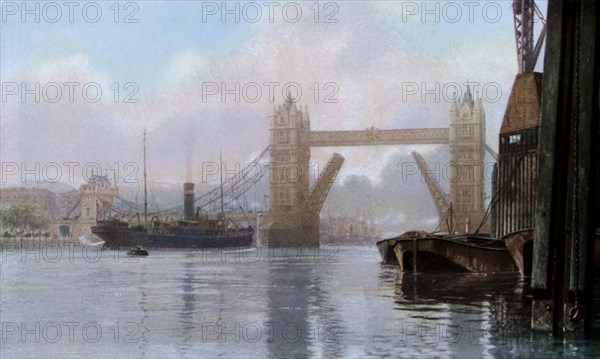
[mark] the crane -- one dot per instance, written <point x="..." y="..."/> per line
<point x="524" y="12"/>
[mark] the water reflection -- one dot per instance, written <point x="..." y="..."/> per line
<point x="201" y="305"/>
<point x="475" y="314"/>
<point x="141" y="327"/>
<point x="186" y="313"/>
<point x="288" y="303"/>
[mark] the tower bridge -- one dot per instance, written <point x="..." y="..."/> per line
<point x="293" y="215"/>
<point x="293" y="206"/>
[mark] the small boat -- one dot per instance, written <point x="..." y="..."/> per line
<point x="520" y="246"/>
<point x="137" y="251"/>
<point x="386" y="246"/>
<point x="386" y="250"/>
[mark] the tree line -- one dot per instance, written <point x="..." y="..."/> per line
<point x="23" y="219"/>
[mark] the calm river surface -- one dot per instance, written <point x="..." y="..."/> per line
<point x="340" y="302"/>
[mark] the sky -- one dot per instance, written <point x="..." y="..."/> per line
<point x="172" y="67"/>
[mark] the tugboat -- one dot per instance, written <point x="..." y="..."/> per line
<point x="137" y="252"/>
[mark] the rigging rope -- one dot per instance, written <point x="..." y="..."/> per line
<point x="499" y="193"/>
<point x="233" y="188"/>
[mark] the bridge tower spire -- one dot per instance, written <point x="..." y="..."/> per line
<point x="467" y="150"/>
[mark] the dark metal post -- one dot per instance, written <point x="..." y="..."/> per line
<point x="568" y="161"/>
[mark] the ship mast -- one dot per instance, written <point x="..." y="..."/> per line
<point x="221" y="171"/>
<point x="145" y="186"/>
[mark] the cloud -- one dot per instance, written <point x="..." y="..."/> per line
<point x="368" y="56"/>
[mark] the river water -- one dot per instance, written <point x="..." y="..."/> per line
<point x="64" y="301"/>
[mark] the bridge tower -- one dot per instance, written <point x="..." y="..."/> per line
<point x="467" y="150"/>
<point x="98" y="198"/>
<point x="289" y="178"/>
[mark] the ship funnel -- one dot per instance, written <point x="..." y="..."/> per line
<point x="188" y="200"/>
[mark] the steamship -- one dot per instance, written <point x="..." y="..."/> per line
<point x="192" y="232"/>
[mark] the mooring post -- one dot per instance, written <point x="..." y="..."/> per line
<point x="568" y="171"/>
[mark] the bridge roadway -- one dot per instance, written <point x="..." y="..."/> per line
<point x="373" y="137"/>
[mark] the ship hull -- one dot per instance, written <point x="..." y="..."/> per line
<point x="124" y="238"/>
<point x="453" y="254"/>
<point x="386" y="250"/>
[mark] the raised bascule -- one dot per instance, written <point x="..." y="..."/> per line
<point x="293" y="216"/>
